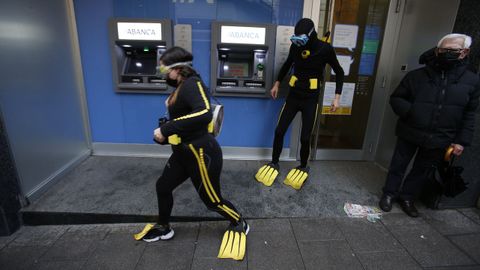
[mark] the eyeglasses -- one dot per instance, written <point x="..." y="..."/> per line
<point x="449" y="50"/>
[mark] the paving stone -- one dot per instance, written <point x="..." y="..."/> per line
<point x="328" y="255"/>
<point x="428" y="247"/>
<point x="5" y="240"/>
<point x="317" y="229"/>
<point x="273" y="250"/>
<point x="131" y="228"/>
<point x="473" y="267"/>
<point x="218" y="264"/>
<point x="38" y="235"/>
<point x="365" y="236"/>
<point x="401" y="219"/>
<point x="449" y="222"/>
<point x="391" y="260"/>
<point x="103" y="229"/>
<point x="58" y="265"/>
<point x="268" y="225"/>
<point x="470" y="244"/>
<point x="20" y="257"/>
<point x="73" y="246"/>
<point x="209" y="239"/>
<point x="116" y="252"/>
<point x="185" y="231"/>
<point x="166" y="255"/>
<point x="472" y="213"/>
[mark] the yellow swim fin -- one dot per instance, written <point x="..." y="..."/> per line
<point x="234" y="242"/>
<point x="296" y="177"/>
<point x="267" y="174"/>
<point x="145" y="230"/>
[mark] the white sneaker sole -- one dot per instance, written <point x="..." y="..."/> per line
<point x="167" y="236"/>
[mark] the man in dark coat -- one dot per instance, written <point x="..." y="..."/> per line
<point x="436" y="108"/>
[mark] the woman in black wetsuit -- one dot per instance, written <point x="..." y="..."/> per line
<point x="196" y="154"/>
<point x="308" y="55"/>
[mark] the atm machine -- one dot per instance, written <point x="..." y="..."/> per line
<point x="242" y="57"/>
<point x="136" y="46"/>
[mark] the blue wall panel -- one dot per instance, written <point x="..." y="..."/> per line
<point x="130" y="118"/>
<point x="245" y="11"/>
<point x="104" y="107"/>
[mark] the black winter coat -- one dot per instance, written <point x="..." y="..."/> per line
<point x="435" y="107"/>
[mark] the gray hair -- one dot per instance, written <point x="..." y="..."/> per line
<point x="467" y="40"/>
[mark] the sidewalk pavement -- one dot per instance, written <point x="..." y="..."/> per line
<point x="442" y="239"/>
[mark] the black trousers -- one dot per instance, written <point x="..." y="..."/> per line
<point x="408" y="188"/>
<point x="200" y="160"/>
<point x="308" y="107"/>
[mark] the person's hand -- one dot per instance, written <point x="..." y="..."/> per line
<point x="158" y="136"/>
<point x="274" y="90"/>
<point x="457" y="149"/>
<point x="335" y="103"/>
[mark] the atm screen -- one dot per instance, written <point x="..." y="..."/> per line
<point x="143" y="63"/>
<point x="236" y="69"/>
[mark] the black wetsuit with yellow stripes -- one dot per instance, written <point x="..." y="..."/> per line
<point x="308" y="70"/>
<point x="198" y="156"/>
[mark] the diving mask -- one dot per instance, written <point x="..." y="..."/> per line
<point x="165" y="69"/>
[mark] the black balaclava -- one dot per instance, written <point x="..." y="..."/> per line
<point x="304" y="26"/>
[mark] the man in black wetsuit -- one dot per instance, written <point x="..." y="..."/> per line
<point x="308" y="55"/>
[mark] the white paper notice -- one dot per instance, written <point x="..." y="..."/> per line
<point x="345" y="61"/>
<point x="346" y="99"/>
<point x="345" y="36"/>
<point x="183" y="36"/>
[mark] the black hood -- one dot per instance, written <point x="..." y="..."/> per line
<point x="428" y="57"/>
<point x="304" y="26"/>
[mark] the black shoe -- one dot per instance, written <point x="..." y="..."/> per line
<point x="408" y="208"/>
<point x="159" y="232"/>
<point x="242" y="226"/>
<point x="386" y="202"/>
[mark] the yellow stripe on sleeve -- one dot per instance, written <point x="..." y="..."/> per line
<point x="200" y="88"/>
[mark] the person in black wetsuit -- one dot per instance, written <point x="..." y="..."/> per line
<point x="196" y="153"/>
<point x="308" y="56"/>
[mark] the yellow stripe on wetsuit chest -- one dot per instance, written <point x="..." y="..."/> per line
<point x="205" y="100"/>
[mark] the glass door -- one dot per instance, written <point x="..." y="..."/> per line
<point x="357" y="30"/>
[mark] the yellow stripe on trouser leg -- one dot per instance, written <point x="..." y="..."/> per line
<point x="207" y="178"/>
<point x="233" y="245"/>
<point x="205" y="185"/>
<point x="230" y="212"/>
